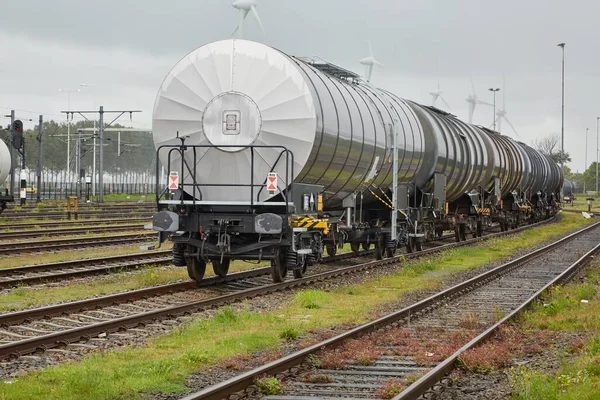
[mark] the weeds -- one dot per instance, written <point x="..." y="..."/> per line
<point x="289" y="333"/>
<point x="317" y="378"/>
<point x="390" y="388"/>
<point x="269" y="386"/>
<point x="485" y="358"/>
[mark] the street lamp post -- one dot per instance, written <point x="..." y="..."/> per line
<point x="68" y="92"/>
<point x="494" y="91"/>
<point x="562" y="128"/>
<point x="597" y="121"/>
<point x="586" y="151"/>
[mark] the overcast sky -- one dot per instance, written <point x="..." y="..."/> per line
<point x="125" y="48"/>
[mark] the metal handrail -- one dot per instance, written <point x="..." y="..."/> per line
<point x="182" y="148"/>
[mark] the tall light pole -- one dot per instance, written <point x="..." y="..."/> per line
<point x="597" y="121"/>
<point x="68" y="92"/>
<point x="562" y="128"/>
<point x="494" y="91"/>
<point x="586" y="151"/>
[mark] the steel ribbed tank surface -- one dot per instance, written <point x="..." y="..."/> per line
<point x="338" y="127"/>
<point x="338" y="131"/>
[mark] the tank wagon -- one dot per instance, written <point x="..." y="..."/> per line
<point x="569" y="191"/>
<point x="283" y="158"/>
<point x="5" y="164"/>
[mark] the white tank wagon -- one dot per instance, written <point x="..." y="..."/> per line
<point x="5" y="164"/>
<point x="235" y="117"/>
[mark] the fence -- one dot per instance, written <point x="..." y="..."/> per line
<point x="61" y="190"/>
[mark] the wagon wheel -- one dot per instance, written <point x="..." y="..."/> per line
<point x="463" y="232"/>
<point x="221" y="268"/>
<point x="301" y="270"/>
<point x="410" y="245"/>
<point x="418" y="245"/>
<point x="389" y="252"/>
<point x="278" y="266"/>
<point x="331" y="250"/>
<point x="379" y="248"/>
<point x="195" y="267"/>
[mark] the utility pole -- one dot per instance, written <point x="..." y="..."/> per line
<point x="78" y="163"/>
<point x="39" y="166"/>
<point x="494" y="92"/>
<point x="585" y="158"/>
<point x="101" y="166"/>
<point x="597" y="121"/>
<point x="562" y="129"/>
<point x="101" y="128"/>
<point x="395" y="181"/>
<point x="12" y="155"/>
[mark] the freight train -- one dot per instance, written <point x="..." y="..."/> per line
<point x="5" y="164"/>
<point x="282" y="158"/>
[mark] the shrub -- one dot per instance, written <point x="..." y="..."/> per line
<point x="269" y="386"/>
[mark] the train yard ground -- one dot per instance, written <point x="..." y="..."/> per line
<point x="551" y="352"/>
<point x="184" y="354"/>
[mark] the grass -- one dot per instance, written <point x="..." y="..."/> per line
<point x="578" y="374"/>
<point x="163" y="364"/>
<point x="563" y="309"/>
<point x="312" y="299"/>
<point x="129" y="197"/>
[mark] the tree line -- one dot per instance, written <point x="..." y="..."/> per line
<point x="137" y="154"/>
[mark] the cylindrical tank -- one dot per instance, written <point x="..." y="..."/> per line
<point x="338" y="127"/>
<point x="568" y="188"/>
<point x="339" y="130"/>
<point x="4" y="162"/>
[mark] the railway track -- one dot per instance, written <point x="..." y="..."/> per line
<point x="19" y="248"/>
<point x="27" y="331"/>
<point x="70" y="231"/>
<point x="40" y="273"/>
<point x="419" y="340"/>
<point x="110" y="214"/>
<point x="14" y="227"/>
<point x="82" y="207"/>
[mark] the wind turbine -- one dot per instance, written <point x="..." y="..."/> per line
<point x="368" y="62"/>
<point x="438" y="95"/>
<point x="501" y="113"/>
<point x="473" y="100"/>
<point x="244" y="7"/>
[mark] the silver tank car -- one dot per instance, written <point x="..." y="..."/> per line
<point x="338" y="128"/>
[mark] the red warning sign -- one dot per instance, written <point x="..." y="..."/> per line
<point x="173" y="180"/>
<point x="272" y="181"/>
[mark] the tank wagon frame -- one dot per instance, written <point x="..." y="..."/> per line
<point x="234" y="113"/>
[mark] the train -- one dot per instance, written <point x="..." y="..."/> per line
<point x="283" y="159"/>
<point x="5" y="165"/>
